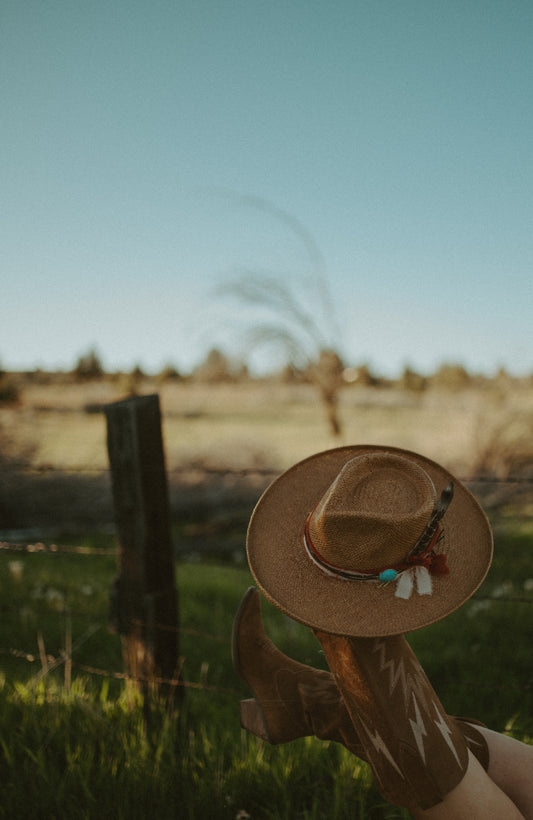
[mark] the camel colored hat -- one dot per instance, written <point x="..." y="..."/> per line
<point x="368" y="541"/>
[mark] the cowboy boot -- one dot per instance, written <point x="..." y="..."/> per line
<point x="293" y="700"/>
<point x="417" y="753"/>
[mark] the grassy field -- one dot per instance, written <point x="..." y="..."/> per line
<point x="81" y="746"/>
<point x="75" y="740"/>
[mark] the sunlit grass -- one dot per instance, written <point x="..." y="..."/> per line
<point x="90" y="749"/>
<point x="84" y="756"/>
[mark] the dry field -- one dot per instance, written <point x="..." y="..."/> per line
<point x="266" y="424"/>
<point x="262" y="428"/>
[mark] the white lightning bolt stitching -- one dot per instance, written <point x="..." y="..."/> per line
<point x="394" y="674"/>
<point x="418" y="729"/>
<point x="379" y="745"/>
<point x="445" y="731"/>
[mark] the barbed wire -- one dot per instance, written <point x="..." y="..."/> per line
<point x="50" y="663"/>
<point x="54" y="549"/>
<point x="160" y="627"/>
<point x="53" y="662"/>
<point x="39" y="546"/>
<point x="89" y="469"/>
<point x="207" y="469"/>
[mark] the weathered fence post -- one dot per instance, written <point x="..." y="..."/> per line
<point x="144" y="596"/>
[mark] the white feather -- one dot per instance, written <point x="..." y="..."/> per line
<point x="404" y="585"/>
<point x="423" y="581"/>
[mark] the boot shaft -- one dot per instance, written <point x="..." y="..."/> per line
<point x="376" y="701"/>
<point x="417" y="753"/>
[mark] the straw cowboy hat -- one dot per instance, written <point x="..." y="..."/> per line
<point x="368" y="541"/>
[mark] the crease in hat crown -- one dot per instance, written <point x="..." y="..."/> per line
<point x="373" y="513"/>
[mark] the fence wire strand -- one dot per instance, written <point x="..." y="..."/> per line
<point x="91" y="469"/>
<point x="39" y="547"/>
<point x="53" y="662"/>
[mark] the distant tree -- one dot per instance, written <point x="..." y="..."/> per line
<point x="412" y="381"/>
<point x="169" y="373"/>
<point x="503" y="379"/>
<point x="241" y="372"/>
<point x="137" y="372"/>
<point x="300" y="320"/>
<point x="133" y="380"/>
<point x="214" y="368"/>
<point x="10" y="391"/>
<point x="451" y="377"/>
<point x="88" y="366"/>
<point x="9" y="388"/>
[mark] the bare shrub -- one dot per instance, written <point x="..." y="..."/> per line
<point x="502" y="464"/>
<point x="505" y="447"/>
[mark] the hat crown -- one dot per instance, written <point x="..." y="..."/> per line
<point x="373" y="513"/>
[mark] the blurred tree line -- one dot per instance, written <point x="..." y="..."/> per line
<point x="327" y="370"/>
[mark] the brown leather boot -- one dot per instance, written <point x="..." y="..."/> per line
<point x="417" y="753"/>
<point x="291" y="700"/>
<point x="294" y="700"/>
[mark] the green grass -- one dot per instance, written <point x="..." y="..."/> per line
<point x="89" y="751"/>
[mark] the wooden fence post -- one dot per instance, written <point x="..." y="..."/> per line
<point x="144" y="596"/>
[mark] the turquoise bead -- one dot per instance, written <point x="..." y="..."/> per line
<point x="388" y="575"/>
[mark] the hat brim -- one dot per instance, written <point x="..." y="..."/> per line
<point x="293" y="583"/>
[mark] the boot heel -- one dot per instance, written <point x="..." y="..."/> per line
<point x="252" y="719"/>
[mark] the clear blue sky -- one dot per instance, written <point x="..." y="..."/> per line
<point x="150" y="150"/>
